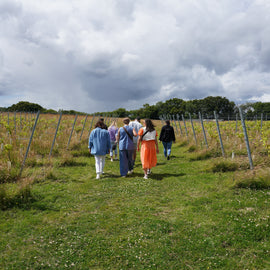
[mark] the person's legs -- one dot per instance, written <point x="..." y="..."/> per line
<point x="130" y="159"/>
<point x="169" y="147"/>
<point x="97" y="164"/>
<point x="111" y="150"/>
<point x="102" y="163"/>
<point x="115" y="151"/>
<point x="165" y="148"/>
<point x="123" y="162"/>
<point x="145" y="173"/>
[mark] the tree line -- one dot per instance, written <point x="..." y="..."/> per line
<point x="175" y="106"/>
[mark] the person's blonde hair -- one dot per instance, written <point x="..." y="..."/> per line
<point x="114" y="123"/>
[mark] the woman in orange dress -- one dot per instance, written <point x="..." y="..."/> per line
<point x="148" y="139"/>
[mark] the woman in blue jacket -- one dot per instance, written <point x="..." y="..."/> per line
<point x="99" y="145"/>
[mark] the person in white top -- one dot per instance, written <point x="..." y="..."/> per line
<point x="137" y="126"/>
<point x="149" y="150"/>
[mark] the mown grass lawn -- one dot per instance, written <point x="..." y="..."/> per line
<point x="182" y="217"/>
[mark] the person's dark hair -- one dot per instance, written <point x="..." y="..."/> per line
<point x="138" y="118"/>
<point x="149" y="125"/>
<point x="167" y="122"/>
<point x="126" y="120"/>
<point x="100" y="124"/>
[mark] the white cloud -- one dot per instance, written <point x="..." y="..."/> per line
<point x="102" y="55"/>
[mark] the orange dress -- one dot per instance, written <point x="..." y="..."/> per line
<point x="148" y="151"/>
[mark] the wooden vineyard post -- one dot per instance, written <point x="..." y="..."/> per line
<point x="219" y="135"/>
<point x="91" y="125"/>
<point x="83" y="127"/>
<point x="55" y="134"/>
<point x="175" y="125"/>
<point x="246" y="138"/>
<point x="29" y="144"/>
<point x="204" y="134"/>
<point x="179" y="124"/>
<point x="183" y="118"/>
<point x="193" y="130"/>
<point x="72" y="130"/>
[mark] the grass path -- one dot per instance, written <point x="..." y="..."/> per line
<point x="182" y="217"/>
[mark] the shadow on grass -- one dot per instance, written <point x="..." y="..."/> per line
<point x="152" y="176"/>
<point x="160" y="176"/>
<point x="25" y="203"/>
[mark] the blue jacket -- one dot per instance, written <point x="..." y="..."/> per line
<point x="99" y="142"/>
<point x="125" y="143"/>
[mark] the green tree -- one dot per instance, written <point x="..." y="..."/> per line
<point x="25" y="106"/>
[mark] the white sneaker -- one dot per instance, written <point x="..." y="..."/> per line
<point x="148" y="171"/>
<point x="98" y="176"/>
<point x="145" y="176"/>
<point x="130" y="172"/>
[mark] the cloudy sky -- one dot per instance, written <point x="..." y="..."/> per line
<point x="100" y="55"/>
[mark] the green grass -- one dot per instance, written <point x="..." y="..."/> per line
<point x="183" y="217"/>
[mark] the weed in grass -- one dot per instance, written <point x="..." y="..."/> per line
<point x="254" y="180"/>
<point x="192" y="148"/>
<point x="225" y="166"/>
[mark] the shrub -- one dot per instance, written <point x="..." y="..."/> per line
<point x="225" y="166"/>
<point x="192" y="148"/>
<point x="258" y="180"/>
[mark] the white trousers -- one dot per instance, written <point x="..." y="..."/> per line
<point x="100" y="162"/>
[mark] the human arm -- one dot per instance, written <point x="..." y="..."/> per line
<point x="138" y="142"/>
<point x="134" y="132"/>
<point x="118" y="136"/>
<point x="156" y="142"/>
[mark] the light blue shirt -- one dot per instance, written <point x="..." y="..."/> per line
<point x="125" y="143"/>
<point x="137" y="126"/>
<point x="99" y="142"/>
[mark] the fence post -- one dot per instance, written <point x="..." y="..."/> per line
<point x="236" y="120"/>
<point x="204" y="134"/>
<point x="246" y="138"/>
<point x="28" y="147"/>
<point x="72" y="130"/>
<point x="179" y="124"/>
<point x="193" y="130"/>
<point x="91" y="125"/>
<point x="219" y="135"/>
<point x="55" y="134"/>
<point x="15" y="122"/>
<point x="261" y="121"/>
<point x="175" y="125"/>
<point x="83" y="127"/>
<point x="183" y="118"/>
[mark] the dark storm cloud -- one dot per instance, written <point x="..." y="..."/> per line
<point x="105" y="55"/>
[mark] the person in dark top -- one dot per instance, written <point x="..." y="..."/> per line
<point x="167" y="136"/>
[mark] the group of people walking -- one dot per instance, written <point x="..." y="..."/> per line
<point x="130" y="138"/>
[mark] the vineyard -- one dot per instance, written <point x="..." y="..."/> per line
<point x="31" y="141"/>
<point x="205" y="208"/>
